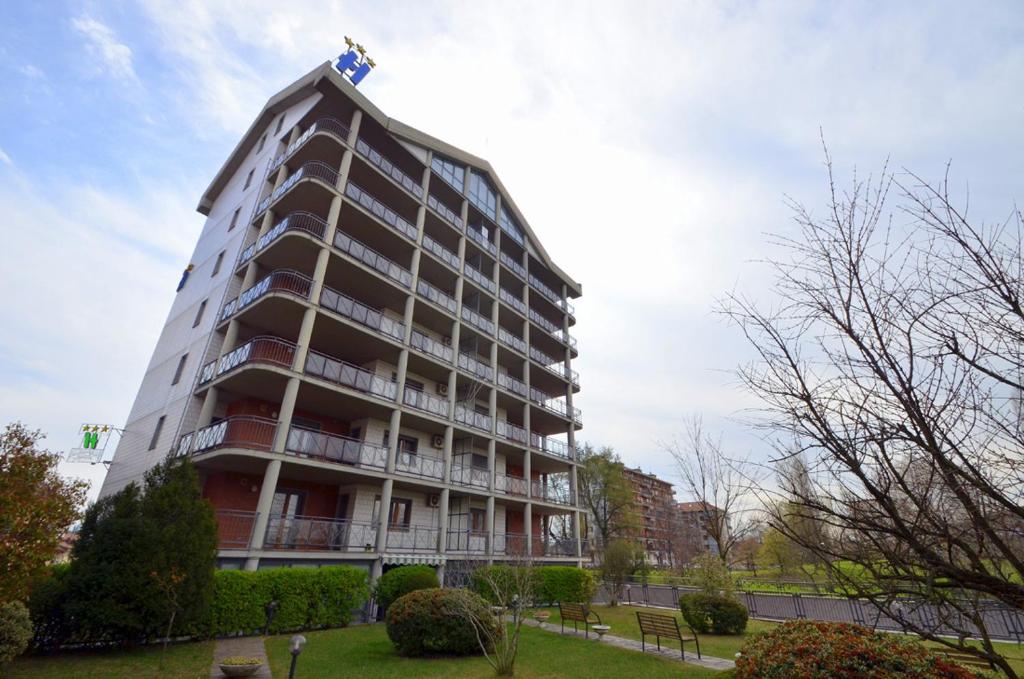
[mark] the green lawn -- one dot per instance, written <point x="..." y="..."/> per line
<point x="365" y="651"/>
<point x="184" y="661"/>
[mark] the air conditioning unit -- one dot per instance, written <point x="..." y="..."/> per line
<point x="447" y="340"/>
<point x="433" y="500"/>
<point x="437" y="441"/>
<point x="442" y="388"/>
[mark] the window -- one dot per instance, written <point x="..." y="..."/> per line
<point x="356" y="433"/>
<point x="406" y="444"/>
<point x="478" y="520"/>
<point x="482" y="195"/>
<point x="280" y="124"/>
<point x="306" y="423"/>
<point x="248" y="179"/>
<point x="479" y="461"/>
<point x="216" y="265"/>
<point x="508" y="225"/>
<point x="413" y="384"/>
<point x="400" y="515"/>
<point x="234" y="219"/>
<point x="199" y="314"/>
<point x="448" y="171"/>
<point x="180" y="369"/>
<point x="263" y="140"/>
<point x="156" y="433"/>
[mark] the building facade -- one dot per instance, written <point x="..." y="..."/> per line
<point x="371" y="361"/>
<point x="654" y="501"/>
<point x="695" y="538"/>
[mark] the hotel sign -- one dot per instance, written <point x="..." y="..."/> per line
<point x="353" y="63"/>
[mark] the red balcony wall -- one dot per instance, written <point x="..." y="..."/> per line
<point x="257" y="408"/>
<point x="231" y="490"/>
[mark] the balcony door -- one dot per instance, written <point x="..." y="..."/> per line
<point x="284" y="527"/>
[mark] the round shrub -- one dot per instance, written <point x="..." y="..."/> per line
<point x="430" y="621"/>
<point x="713" y="613"/>
<point x="15" y="630"/>
<point x="398" y="582"/>
<point x="805" y="649"/>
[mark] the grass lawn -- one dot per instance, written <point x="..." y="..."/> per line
<point x="365" y="651"/>
<point x="184" y="661"/>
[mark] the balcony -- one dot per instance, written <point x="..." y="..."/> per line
<point x="468" y="541"/>
<point x="331" y="126"/>
<point x="551" y="446"/>
<point x="468" y="475"/>
<point x="552" y="329"/>
<point x="414" y="398"/>
<point x="554" y="365"/>
<point x="335" y="448"/>
<point x="381" y="211"/>
<point x="419" y="464"/>
<point x="313" y="169"/>
<point x="446" y="212"/>
<point x="475" y="275"/>
<point x="443" y="253"/>
<point x="319" y="534"/>
<point x="475" y="366"/>
<point x="263" y="349"/>
<point x="511" y="264"/>
<point x="367" y="316"/>
<point x="510" y="383"/>
<point x="306" y="222"/>
<point x="510" y="485"/>
<point x="412" y="538"/>
<point x="435" y="295"/>
<point x="482" y="241"/>
<point x="548" y="546"/>
<point x="551" y="295"/>
<point x="471" y="418"/>
<point x="512" y="432"/>
<point x="282" y="281"/>
<point x="484" y="325"/>
<point x="234" y="528"/>
<point x="557" y="493"/>
<point x="372" y="258"/>
<point x="253" y="433"/>
<point x="428" y="345"/>
<point x="511" y="340"/>
<point x="382" y="163"/>
<point x="511" y="544"/>
<point x="512" y="300"/>
<point x="348" y="375"/>
<point x="555" y="405"/>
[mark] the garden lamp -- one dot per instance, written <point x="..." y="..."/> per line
<point x="270" y="609"/>
<point x="298" y="641"/>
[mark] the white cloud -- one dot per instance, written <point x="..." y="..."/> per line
<point x="6" y="159"/>
<point x="114" y="56"/>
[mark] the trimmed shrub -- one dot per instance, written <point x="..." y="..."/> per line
<point x="398" y="582"/>
<point x="15" y="630"/>
<point x="430" y="621"/>
<point x="805" y="649"/>
<point x="565" y="583"/>
<point x="46" y="606"/>
<point x="713" y="613"/>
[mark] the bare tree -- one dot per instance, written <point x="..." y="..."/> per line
<point x="894" y="360"/>
<point x="719" y="485"/>
<point x="511" y="590"/>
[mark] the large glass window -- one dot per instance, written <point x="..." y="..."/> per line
<point x="482" y="195"/>
<point x="448" y="171"/>
<point x="508" y="224"/>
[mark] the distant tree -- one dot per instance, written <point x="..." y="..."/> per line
<point x="606" y="494"/>
<point x="777" y="551"/>
<point x="745" y="553"/>
<point x="621" y="558"/>
<point x="36" y="507"/>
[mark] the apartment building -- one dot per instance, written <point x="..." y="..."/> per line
<point x="371" y="361"/>
<point x="694" y="536"/>
<point x="655" y="506"/>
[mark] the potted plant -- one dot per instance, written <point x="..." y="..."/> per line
<point x="240" y="666"/>
<point x="542" y="616"/>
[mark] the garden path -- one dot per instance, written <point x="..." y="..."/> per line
<point x="245" y="646"/>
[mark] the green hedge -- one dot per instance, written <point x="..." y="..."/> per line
<point x="398" y="582"/>
<point x="713" y="613"/>
<point x="553" y="583"/>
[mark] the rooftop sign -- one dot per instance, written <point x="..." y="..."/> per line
<point x="353" y="63"/>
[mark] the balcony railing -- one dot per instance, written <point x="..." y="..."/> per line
<point x="419" y="464"/>
<point x="554" y="405"/>
<point x="551" y="446"/>
<point x="552" y="329"/>
<point x="428" y="345"/>
<point x="509" y="339"/>
<point x="468" y="475"/>
<point x="475" y="366"/>
<point x="283" y="281"/>
<point x="263" y="349"/>
<point x="348" y="375"/>
<point x="414" y="398"/>
<point x="446" y="255"/>
<point x="313" y="169"/>
<point x="554" y="365"/>
<point x="469" y="541"/>
<point x="510" y="485"/>
<point x="512" y="300"/>
<point x="412" y="538"/>
<point x="512" y="265"/>
<point x="387" y="167"/>
<point x="482" y="241"/>
<point x="555" y="493"/>
<point x="448" y="214"/>
<point x="442" y="299"/>
<point x="335" y="448"/>
<point x="484" y="325"/>
<point x="381" y="211"/>
<point x="234" y="528"/>
<point x="512" y="432"/>
<point x="343" y="305"/>
<point x="554" y="547"/>
<point x="372" y="258"/>
<point x="472" y="418"/>
<point x="253" y="433"/>
<point x="512" y="384"/>
<point x="332" y="126"/>
<point x="551" y="295"/>
<point x="319" y="534"/>
<point x="296" y="221"/>
<point x="511" y="544"/>
<point x="478" y="277"/>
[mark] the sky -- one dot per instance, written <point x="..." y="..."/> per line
<point x="652" y="147"/>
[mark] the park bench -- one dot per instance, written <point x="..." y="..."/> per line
<point x="667" y="626"/>
<point x="577" y="613"/>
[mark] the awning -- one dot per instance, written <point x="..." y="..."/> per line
<point x="429" y="559"/>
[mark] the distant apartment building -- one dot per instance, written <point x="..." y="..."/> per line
<point x="371" y="361"/>
<point x="693" y="535"/>
<point x="655" y="507"/>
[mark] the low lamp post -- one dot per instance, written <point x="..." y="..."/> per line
<point x="270" y="609"/>
<point x="298" y="641"/>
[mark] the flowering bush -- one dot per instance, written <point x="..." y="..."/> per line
<point x="803" y="649"/>
<point x="440" y="621"/>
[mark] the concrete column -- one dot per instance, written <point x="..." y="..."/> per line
<point x="353" y="128"/>
<point x="206" y="411"/>
<point x="490" y="464"/>
<point x="385" y="513"/>
<point x="528" y="523"/>
<point x="442" y="520"/>
<point x="284" y="415"/>
<point x="263" y="506"/>
<point x="393" y="426"/>
<point x="449" y="435"/>
<point x="440" y="573"/>
<point x="489" y="522"/>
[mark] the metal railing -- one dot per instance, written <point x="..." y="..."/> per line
<point x="419" y="464"/>
<point x="412" y="538"/>
<point x="349" y="375"/>
<point x="512" y="265"/>
<point x="335" y="448"/>
<point x="478" y="277"/>
<point x="482" y="324"/>
<point x="550" y="445"/>
<point x="448" y="214"/>
<point x="435" y="295"/>
<point x="384" y="164"/>
<point x="509" y="339"/>
<point x="554" y="405"/>
<point x="516" y="386"/>
<point x="468" y="475"/>
<point x="512" y="300"/>
<point x="372" y="258"/>
<point x="552" y="329"/>
<point x="554" y="365"/>
<point x="420" y="400"/>
<point x="262" y="349"/>
<point x="332" y="126"/>
<point x="511" y="544"/>
<point x="446" y="255"/>
<point x="512" y="432"/>
<point x="510" y="485"/>
<point x="343" y="305"/>
<point x="428" y="345"/>
<point x="380" y="210"/>
<point x="295" y="221"/>
<point x="471" y="418"/>
<point x="467" y="540"/>
<point x="312" y="169"/>
<point x="547" y="546"/>
<point x="551" y="295"/>
<point x="482" y="241"/>
<point x="284" y="281"/>
<point x="239" y="431"/>
<point x="475" y="366"/>
<point x="234" y="528"/>
<point x="557" y="492"/>
<point x="316" y="534"/>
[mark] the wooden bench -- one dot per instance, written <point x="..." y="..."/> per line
<point x="666" y="626"/>
<point x="577" y="613"/>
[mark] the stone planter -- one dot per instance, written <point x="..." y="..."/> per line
<point x="240" y="670"/>
<point x="542" y="616"/>
<point x="601" y="630"/>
